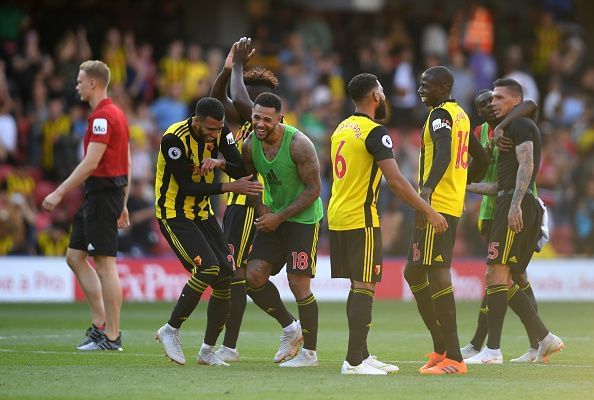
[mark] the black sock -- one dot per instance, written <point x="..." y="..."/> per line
<point x="521" y="305"/>
<point x="359" y="323"/>
<point x="364" y="351"/>
<point x="268" y="299"/>
<point x="513" y="305"/>
<point x="308" y="315"/>
<point x="218" y="310"/>
<point x="497" y="303"/>
<point x="528" y="290"/>
<point x="445" y="309"/>
<point x="238" y="303"/>
<point x="426" y="308"/>
<point x="187" y="302"/>
<point x="482" y="328"/>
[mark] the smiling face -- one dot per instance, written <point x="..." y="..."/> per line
<point x="504" y="100"/>
<point x="431" y="91"/>
<point x="265" y="120"/>
<point x="207" y="128"/>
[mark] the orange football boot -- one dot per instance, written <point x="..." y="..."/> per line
<point x="447" y="366"/>
<point x="434" y="359"/>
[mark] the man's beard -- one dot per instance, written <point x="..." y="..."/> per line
<point x="380" y="112"/>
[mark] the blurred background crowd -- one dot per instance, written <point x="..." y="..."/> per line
<point x="165" y="55"/>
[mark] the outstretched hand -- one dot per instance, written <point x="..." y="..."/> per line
<point x="229" y="59"/>
<point x="246" y="186"/>
<point x="243" y="54"/>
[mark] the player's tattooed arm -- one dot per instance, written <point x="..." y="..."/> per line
<point x="525" y="156"/>
<point x="487" y="189"/>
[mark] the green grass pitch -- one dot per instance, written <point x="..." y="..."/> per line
<point x="38" y="359"/>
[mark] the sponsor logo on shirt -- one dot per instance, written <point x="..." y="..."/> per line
<point x="441" y="123"/>
<point x="100" y="126"/>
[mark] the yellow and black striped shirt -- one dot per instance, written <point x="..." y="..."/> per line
<point x="450" y="120"/>
<point x="242" y="133"/>
<point x="52" y="246"/>
<point x="180" y="190"/>
<point x="357" y="144"/>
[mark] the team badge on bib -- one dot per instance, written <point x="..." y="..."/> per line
<point x="100" y="126"/>
<point x="174" y="153"/>
<point x="230" y="138"/>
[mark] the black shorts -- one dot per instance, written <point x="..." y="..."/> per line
<point x="198" y="244"/>
<point x="238" y="227"/>
<point x="95" y="226"/>
<point x="428" y="248"/>
<point x="356" y="254"/>
<point x="507" y="247"/>
<point x="292" y="243"/>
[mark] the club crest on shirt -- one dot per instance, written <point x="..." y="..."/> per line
<point x="441" y="123"/>
<point x="174" y="153"/>
<point x="100" y="126"/>
<point x="230" y="138"/>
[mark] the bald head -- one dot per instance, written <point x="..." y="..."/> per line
<point x="441" y="75"/>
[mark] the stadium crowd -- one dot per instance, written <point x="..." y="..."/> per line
<point x="313" y="54"/>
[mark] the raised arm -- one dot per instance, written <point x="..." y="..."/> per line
<point x="219" y="88"/>
<point x="241" y="99"/>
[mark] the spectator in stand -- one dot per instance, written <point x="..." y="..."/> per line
<point x="584" y="220"/>
<point x="172" y="68"/>
<point x="139" y="238"/>
<point x="16" y="221"/>
<point x="53" y="240"/>
<point x="514" y="67"/>
<point x="114" y="55"/>
<point x="8" y="127"/>
<point x="169" y="108"/>
<point x="27" y="64"/>
<point x="57" y="125"/>
<point x="197" y="75"/>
